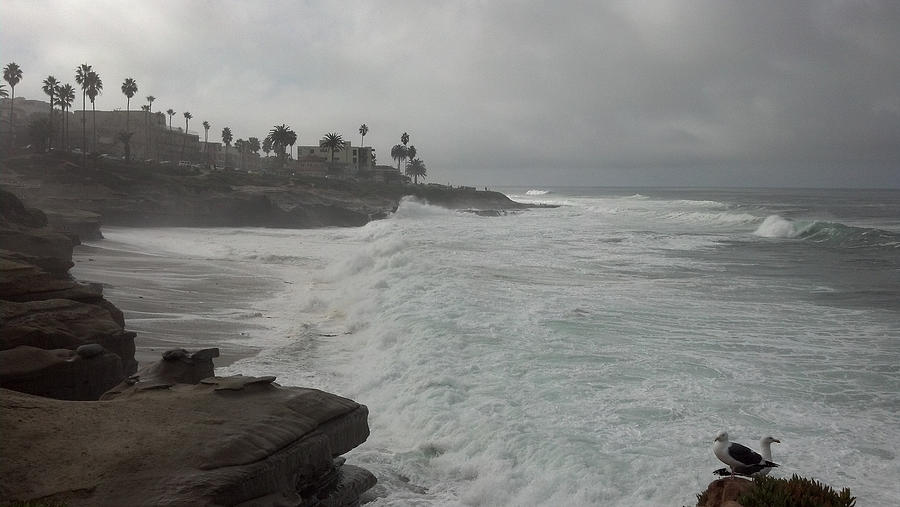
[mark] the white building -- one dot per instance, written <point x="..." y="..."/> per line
<point x="350" y="160"/>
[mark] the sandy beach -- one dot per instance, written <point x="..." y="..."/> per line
<point x="174" y="302"/>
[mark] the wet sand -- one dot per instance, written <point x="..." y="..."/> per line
<point x="175" y="302"/>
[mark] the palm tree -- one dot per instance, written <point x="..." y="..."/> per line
<point x="415" y="168"/>
<point x="3" y="93"/>
<point x="267" y="146"/>
<point x="411" y="152"/>
<point x="12" y="74"/>
<point x="404" y="138"/>
<point x="363" y="130"/>
<point x="226" y="138"/>
<point x="150" y="99"/>
<point x="171" y="113"/>
<point x="282" y="136"/>
<point x="129" y="88"/>
<point x="81" y="77"/>
<point x="95" y="87"/>
<point x="292" y="138"/>
<point x="49" y="87"/>
<point x="332" y="141"/>
<point x="206" y="127"/>
<point x="187" y="117"/>
<point x="65" y="97"/>
<point x="398" y="153"/>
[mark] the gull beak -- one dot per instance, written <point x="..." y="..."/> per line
<point x="776" y="440"/>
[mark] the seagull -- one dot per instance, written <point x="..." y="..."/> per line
<point x="743" y="460"/>
<point x="756" y="470"/>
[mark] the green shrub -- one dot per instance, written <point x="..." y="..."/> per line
<point x="794" y="492"/>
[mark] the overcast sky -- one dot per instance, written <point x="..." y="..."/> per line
<point x="537" y="93"/>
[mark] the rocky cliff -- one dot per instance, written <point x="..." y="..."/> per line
<point x="80" y="427"/>
<point x="155" y="195"/>
<point x="48" y="321"/>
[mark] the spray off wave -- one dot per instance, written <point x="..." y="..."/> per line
<point x="833" y="234"/>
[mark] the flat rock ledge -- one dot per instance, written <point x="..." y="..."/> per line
<point x="151" y="441"/>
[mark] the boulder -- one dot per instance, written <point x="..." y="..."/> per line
<point x="178" y="366"/>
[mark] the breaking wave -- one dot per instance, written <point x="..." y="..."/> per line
<point x="832" y="234"/>
<point x="537" y="192"/>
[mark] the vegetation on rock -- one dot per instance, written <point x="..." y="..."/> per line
<point x="773" y="492"/>
<point x="794" y="492"/>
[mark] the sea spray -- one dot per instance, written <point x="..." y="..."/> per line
<point x="564" y="356"/>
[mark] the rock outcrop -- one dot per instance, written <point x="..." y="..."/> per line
<point x="46" y="317"/>
<point x="223" y="441"/>
<point x="171" y="434"/>
<point x="141" y="195"/>
<point x="724" y="492"/>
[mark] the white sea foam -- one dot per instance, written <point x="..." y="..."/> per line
<point x="569" y="356"/>
<point x="775" y="226"/>
<point x="537" y="192"/>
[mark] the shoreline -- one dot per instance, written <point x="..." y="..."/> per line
<point x="173" y="302"/>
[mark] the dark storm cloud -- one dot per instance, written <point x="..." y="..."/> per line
<point x="664" y="92"/>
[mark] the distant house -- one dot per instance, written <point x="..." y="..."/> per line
<point x="348" y="162"/>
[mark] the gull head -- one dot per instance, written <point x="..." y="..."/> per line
<point x="721" y="437"/>
<point x="770" y="440"/>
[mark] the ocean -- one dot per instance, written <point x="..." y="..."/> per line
<point x="586" y="354"/>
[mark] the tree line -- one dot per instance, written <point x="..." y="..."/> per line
<point x="278" y="140"/>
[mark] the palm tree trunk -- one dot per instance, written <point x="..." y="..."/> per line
<point x="94" y="125"/>
<point x="184" y="141"/>
<point x="83" y="128"/>
<point x="12" y="131"/>
<point x="50" y="137"/>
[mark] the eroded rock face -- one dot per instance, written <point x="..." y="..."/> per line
<point x="187" y="444"/>
<point x="60" y="373"/>
<point x="43" y="311"/>
<point x="64" y="324"/>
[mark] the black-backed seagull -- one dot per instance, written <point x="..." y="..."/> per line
<point x="743" y="460"/>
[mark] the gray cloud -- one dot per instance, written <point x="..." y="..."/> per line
<point x="656" y="92"/>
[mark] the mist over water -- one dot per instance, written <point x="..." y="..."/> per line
<point x="588" y="354"/>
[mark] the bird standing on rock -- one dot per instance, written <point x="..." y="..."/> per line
<point x="741" y="459"/>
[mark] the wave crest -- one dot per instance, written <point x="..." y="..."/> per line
<point x="833" y="234"/>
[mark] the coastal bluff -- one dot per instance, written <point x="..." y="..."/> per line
<point x="137" y="195"/>
<point x="82" y="424"/>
